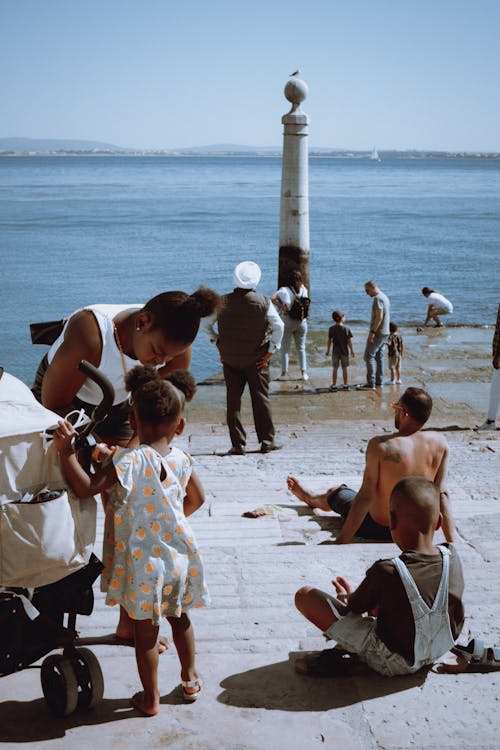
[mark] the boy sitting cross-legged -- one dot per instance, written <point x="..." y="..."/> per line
<point x="414" y="601"/>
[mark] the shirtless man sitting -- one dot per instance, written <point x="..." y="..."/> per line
<point x="389" y="458"/>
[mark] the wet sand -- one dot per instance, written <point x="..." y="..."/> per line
<point x="452" y="363"/>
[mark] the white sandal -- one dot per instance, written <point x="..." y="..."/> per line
<point x="191" y="697"/>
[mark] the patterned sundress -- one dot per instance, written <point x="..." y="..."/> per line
<point x="152" y="562"/>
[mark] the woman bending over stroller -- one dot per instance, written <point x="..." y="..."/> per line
<point x="115" y="338"/>
<point x="152" y="562"/>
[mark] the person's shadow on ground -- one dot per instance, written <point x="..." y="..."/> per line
<point x="278" y="687"/>
<point x="32" y="721"/>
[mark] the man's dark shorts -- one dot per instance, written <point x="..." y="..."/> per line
<point x="340" y="500"/>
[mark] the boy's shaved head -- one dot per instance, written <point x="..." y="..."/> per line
<point x="415" y="502"/>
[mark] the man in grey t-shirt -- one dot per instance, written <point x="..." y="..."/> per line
<point x="379" y="332"/>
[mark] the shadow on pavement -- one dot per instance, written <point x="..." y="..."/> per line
<point x="278" y="687"/>
<point x="31" y="721"/>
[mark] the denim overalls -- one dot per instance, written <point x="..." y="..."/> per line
<point x="433" y="636"/>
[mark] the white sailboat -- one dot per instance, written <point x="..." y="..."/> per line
<point x="374" y="155"/>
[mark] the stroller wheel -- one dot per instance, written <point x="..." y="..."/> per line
<point x="89" y="678"/>
<point x="59" y="685"/>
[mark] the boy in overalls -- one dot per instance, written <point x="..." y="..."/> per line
<point x="414" y="601"/>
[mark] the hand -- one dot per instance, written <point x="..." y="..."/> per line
<point x="342" y="588"/>
<point x="63" y="437"/>
<point x="352" y="355"/>
<point x="101" y="452"/>
<point x="264" y="362"/>
<point x="339" y="540"/>
<point x="371" y="338"/>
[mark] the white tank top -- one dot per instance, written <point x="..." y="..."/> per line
<point x="111" y="364"/>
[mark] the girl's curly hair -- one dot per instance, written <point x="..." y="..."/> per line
<point x="157" y="399"/>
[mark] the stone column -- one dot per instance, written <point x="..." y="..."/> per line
<point x="294" y="206"/>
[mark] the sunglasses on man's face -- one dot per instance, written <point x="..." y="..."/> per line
<point x="398" y="407"/>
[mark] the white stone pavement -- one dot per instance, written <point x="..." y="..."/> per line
<point x="248" y="639"/>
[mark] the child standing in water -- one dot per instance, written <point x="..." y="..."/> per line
<point x="395" y="350"/>
<point x="340" y="342"/>
<point x="152" y="562"/>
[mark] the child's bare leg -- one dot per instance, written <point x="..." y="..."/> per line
<point x="334" y="375"/>
<point x="183" y="635"/>
<point x="344" y="374"/>
<point x="398" y="372"/>
<point x="391" y="369"/>
<point x="125" y="627"/>
<point x="125" y="630"/>
<point x="314" y="607"/>
<point x="146" y="654"/>
<point x="314" y="501"/>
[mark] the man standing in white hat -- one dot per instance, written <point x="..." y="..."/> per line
<point x="249" y="332"/>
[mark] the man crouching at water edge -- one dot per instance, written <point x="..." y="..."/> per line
<point x="389" y="458"/>
<point x="414" y="601"/>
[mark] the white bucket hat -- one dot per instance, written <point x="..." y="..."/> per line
<point x="246" y="275"/>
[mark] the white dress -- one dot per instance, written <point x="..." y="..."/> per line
<point x="152" y="562"/>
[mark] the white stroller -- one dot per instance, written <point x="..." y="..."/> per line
<point x="47" y="567"/>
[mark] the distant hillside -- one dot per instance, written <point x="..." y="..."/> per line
<point x="42" y="145"/>
<point x="56" y="146"/>
<point x="227" y="148"/>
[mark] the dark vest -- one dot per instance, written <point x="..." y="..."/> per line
<point x="243" y="328"/>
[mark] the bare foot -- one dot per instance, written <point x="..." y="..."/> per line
<point x="313" y="501"/>
<point x="127" y="638"/>
<point x="147" y="707"/>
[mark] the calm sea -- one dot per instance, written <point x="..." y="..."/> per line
<point x="80" y="230"/>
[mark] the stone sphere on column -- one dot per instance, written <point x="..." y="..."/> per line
<point x="296" y="91"/>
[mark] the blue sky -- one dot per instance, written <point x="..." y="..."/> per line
<point x="166" y="73"/>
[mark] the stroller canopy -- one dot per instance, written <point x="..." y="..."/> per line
<point x="25" y="464"/>
<point x="20" y="412"/>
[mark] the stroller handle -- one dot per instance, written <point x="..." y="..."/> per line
<point x="102" y="410"/>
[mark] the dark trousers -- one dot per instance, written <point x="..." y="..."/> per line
<point x="340" y="500"/>
<point x="258" y="384"/>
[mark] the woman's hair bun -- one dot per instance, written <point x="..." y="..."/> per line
<point x="206" y="300"/>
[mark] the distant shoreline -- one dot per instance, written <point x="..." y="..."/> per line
<point x="257" y="154"/>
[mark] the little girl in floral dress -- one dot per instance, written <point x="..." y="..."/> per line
<point x="152" y="563"/>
